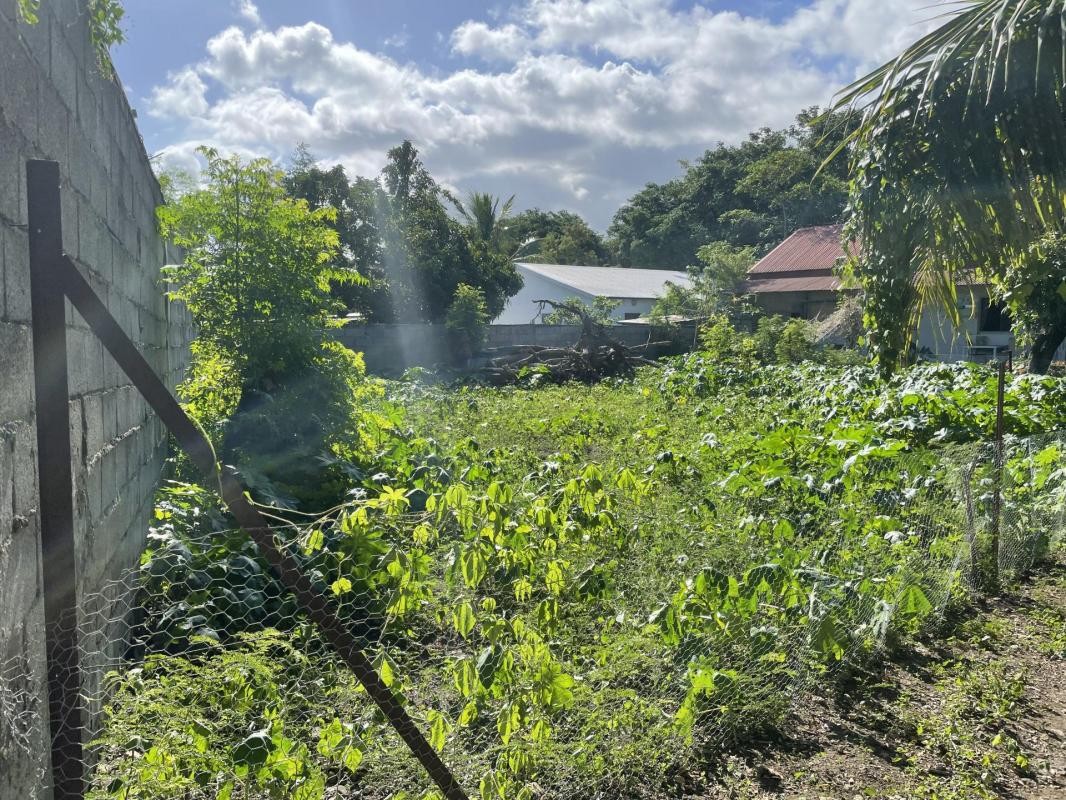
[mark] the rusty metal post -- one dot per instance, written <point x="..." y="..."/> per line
<point x="55" y="482"/>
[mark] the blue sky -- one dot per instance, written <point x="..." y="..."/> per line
<point x="564" y="103"/>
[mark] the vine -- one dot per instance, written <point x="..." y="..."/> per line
<point x="105" y="26"/>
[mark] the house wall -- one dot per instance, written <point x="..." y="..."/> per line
<point x="521" y="308"/>
<point x="807" y="305"/>
<point x="939" y="339"/>
<point x="55" y="104"/>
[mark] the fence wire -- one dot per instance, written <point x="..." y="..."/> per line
<point x="549" y="648"/>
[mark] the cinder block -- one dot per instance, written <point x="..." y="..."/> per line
<point x="12" y="175"/>
<point x="19" y="77"/>
<point x="16" y="361"/>
<point x="24" y="500"/>
<point x="16" y="244"/>
<point x="7" y="477"/>
<point x="53" y="127"/>
<point x="68" y="204"/>
<point x="92" y="422"/>
<point x="81" y="161"/>
<point x="64" y="69"/>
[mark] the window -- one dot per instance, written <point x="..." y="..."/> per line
<point x="993" y="317"/>
<point x="632" y="315"/>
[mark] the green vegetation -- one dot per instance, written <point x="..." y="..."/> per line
<point x="397" y="232"/>
<point x="578" y="590"/>
<point x="468" y="316"/>
<point x="958" y="170"/>
<point x="716" y="284"/>
<point x="752" y="194"/>
<point x="601" y="310"/>
<point x="266" y="380"/>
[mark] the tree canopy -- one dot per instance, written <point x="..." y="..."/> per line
<point x="752" y="194"/>
<point x="555" y="237"/>
<point x="397" y="231"/>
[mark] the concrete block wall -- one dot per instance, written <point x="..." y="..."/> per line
<point x="56" y="103"/>
<point x="389" y="349"/>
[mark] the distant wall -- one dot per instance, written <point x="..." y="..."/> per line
<point x="55" y="104"/>
<point x="390" y="349"/>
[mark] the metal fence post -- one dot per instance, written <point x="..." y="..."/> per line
<point x="56" y="504"/>
<point x="997" y="506"/>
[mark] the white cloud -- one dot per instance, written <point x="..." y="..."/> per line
<point x="184" y="95"/>
<point x="507" y="43"/>
<point x="249" y="11"/>
<point x="593" y="98"/>
<point x="398" y="41"/>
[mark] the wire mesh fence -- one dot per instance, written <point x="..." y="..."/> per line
<point x="551" y="645"/>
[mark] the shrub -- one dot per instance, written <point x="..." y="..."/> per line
<point x="795" y="343"/>
<point x="467" y="319"/>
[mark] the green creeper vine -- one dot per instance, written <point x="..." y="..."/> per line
<point x="105" y="30"/>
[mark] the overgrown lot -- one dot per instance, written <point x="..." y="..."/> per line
<point x="580" y="591"/>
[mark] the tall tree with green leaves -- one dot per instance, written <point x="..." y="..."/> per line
<point x="485" y="217"/>
<point x="360" y="209"/>
<point x="427" y="253"/>
<point x="960" y="173"/>
<point x="266" y="377"/>
<point x="555" y="237"/>
<point x="714" y="284"/>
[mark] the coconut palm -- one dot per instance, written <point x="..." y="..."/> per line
<point x="959" y="167"/>
<point x="484" y="216"/>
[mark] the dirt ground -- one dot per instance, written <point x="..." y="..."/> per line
<point x="978" y="711"/>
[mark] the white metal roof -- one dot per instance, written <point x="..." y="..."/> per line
<point x="617" y="282"/>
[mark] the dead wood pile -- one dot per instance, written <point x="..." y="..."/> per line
<point x="595" y="355"/>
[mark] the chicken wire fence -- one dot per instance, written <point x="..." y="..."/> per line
<point x="570" y="677"/>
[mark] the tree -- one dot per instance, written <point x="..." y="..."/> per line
<point x="427" y="254"/>
<point x="484" y="216"/>
<point x="601" y="311"/>
<point x="257" y="269"/>
<point x="397" y="232"/>
<point x="960" y="173"/>
<point x="555" y="237"/>
<point x="467" y="318"/>
<point x="358" y="222"/>
<point x="752" y="194"/>
<point x="256" y="277"/>
<point x="714" y="284"/>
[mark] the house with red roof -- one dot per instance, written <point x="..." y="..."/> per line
<point x="799" y="278"/>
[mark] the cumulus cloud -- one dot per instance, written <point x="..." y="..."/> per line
<point x="249" y="12"/>
<point x="184" y="95"/>
<point x="506" y="43"/>
<point x="576" y="102"/>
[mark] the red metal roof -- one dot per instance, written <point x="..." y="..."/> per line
<point x="784" y="283"/>
<point x="814" y="251"/>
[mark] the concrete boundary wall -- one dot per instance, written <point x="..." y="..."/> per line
<point x="56" y="104"/>
<point x="389" y="349"/>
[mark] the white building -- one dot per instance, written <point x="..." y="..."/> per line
<point x="635" y="289"/>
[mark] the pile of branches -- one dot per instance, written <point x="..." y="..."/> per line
<point x="595" y="355"/>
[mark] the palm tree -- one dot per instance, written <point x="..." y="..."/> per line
<point x="959" y="167"/>
<point x="484" y="216"/>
